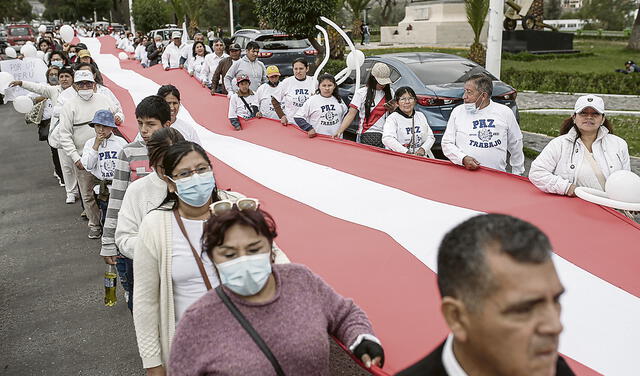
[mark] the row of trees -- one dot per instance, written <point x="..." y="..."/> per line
<point x="15" y="10"/>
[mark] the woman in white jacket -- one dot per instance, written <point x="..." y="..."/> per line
<point x="585" y="153"/>
<point x="407" y="130"/>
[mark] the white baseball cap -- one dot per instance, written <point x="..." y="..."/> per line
<point x="176" y="34"/>
<point x="83" y="75"/>
<point x="382" y="73"/>
<point x="590" y="100"/>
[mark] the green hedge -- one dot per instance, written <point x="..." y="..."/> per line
<point x="334" y="66"/>
<point x="604" y="83"/>
<point x="527" y="56"/>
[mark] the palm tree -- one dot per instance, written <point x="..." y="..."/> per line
<point x="476" y="14"/>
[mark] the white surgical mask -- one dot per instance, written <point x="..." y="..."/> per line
<point x="472" y="108"/>
<point x="85" y="94"/>
<point x="158" y="44"/>
<point x="246" y="275"/>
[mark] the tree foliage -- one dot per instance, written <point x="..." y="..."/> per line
<point x="76" y="10"/>
<point x="15" y="10"/>
<point x="552" y="9"/>
<point x="634" y="38"/>
<point x="476" y="15"/>
<point x="609" y="14"/>
<point x="295" y="17"/>
<point x="150" y="14"/>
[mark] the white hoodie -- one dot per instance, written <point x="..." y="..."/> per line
<point x="557" y="166"/>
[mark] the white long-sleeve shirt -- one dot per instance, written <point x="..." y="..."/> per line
<point x="102" y="162"/>
<point x="74" y="122"/>
<point x="403" y="133"/>
<point x="171" y="56"/>
<point x="211" y="62"/>
<point x="264" y="94"/>
<point x="237" y="108"/>
<point x="70" y="92"/>
<point x="486" y="136"/>
<point x="187" y="131"/>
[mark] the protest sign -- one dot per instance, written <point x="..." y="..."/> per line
<point x="28" y="69"/>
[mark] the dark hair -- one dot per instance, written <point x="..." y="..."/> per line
<point x="159" y="143"/>
<point x="569" y="123"/>
<point x="301" y="60"/>
<point x="217" y="226"/>
<point x="62" y="54"/>
<point x="44" y="41"/>
<point x="253" y="45"/>
<point x="483" y="82"/>
<point x="154" y="107"/>
<point x="65" y="69"/>
<point x="81" y="46"/>
<point x="169" y="89"/>
<point x="94" y="70"/>
<point x="194" y="48"/>
<point x="327" y="76"/>
<point x="402" y="90"/>
<point x="172" y="157"/>
<point x="463" y="272"/>
<point x="371" y="95"/>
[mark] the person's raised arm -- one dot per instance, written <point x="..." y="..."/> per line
<point x="346" y="122"/>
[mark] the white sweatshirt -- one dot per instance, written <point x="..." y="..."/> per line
<point x="237" y="107"/>
<point x="293" y="93"/>
<point x="211" y="62"/>
<point x="195" y="67"/>
<point x="323" y="114"/>
<point x="264" y="94"/>
<point x="486" y="136"/>
<point x="70" y="92"/>
<point x="102" y="162"/>
<point x="74" y="122"/>
<point x="171" y="56"/>
<point x="402" y="133"/>
<point x="557" y="166"/>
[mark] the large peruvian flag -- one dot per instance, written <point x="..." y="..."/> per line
<point x="369" y="222"/>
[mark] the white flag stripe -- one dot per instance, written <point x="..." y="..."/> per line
<point x="601" y="320"/>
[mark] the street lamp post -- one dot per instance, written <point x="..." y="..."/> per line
<point x="231" y="17"/>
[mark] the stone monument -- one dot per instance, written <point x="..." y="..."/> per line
<point x="438" y="23"/>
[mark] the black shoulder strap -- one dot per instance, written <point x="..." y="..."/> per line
<point x="247" y="105"/>
<point x="252" y="332"/>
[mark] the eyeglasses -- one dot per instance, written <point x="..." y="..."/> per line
<point x="592" y="114"/>
<point x="84" y="84"/>
<point x="406" y="99"/>
<point x="187" y="173"/>
<point x="221" y="207"/>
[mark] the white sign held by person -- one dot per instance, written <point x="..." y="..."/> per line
<point x="28" y="69"/>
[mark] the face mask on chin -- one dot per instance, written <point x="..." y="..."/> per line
<point x="85" y="94"/>
<point x="472" y="108"/>
<point x="158" y="44"/>
<point x="246" y="275"/>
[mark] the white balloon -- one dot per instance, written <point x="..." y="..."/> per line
<point x="10" y="52"/>
<point x="40" y="54"/>
<point x="5" y="80"/>
<point x="28" y="50"/>
<point x="129" y="49"/>
<point x="624" y="186"/>
<point x="23" y="104"/>
<point x="30" y="42"/>
<point x="66" y="32"/>
<point x="42" y="28"/>
<point x="355" y="59"/>
<point x="123" y="56"/>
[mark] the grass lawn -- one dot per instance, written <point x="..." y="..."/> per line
<point x="627" y="127"/>
<point x="608" y="56"/>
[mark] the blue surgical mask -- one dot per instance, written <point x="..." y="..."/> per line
<point x="196" y="189"/>
<point x="57" y="63"/>
<point x="246" y="275"/>
<point x="71" y="54"/>
<point x="472" y="108"/>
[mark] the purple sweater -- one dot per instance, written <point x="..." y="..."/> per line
<point x="295" y="324"/>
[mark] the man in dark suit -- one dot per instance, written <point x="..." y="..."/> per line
<point x="500" y="298"/>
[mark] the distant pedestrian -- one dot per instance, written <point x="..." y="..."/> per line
<point x="173" y="53"/>
<point x="210" y="36"/>
<point x="629" y="67"/>
<point x="366" y="33"/>
<point x="481" y="132"/>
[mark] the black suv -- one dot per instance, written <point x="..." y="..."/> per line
<point x="277" y="48"/>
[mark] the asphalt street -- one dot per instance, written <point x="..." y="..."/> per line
<point x="52" y="318"/>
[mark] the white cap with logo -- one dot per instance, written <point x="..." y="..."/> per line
<point x="83" y="75"/>
<point x="590" y="100"/>
<point x="176" y="34"/>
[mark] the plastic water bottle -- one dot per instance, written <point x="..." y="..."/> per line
<point x="110" y="279"/>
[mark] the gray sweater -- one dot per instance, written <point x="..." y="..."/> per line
<point x="254" y="69"/>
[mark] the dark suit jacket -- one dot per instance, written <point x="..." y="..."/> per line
<point x="432" y="365"/>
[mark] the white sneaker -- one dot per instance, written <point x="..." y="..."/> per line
<point x="71" y="198"/>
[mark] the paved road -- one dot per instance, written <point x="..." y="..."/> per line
<point x="52" y="317"/>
